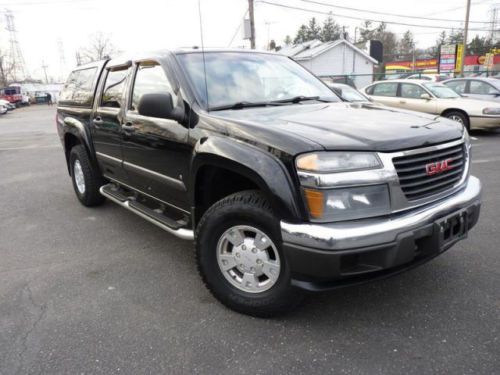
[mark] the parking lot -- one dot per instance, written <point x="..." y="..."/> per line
<point x="102" y="291"/>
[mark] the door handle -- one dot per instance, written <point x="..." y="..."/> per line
<point x="128" y="127"/>
<point x="98" y="120"/>
<point x="402" y="102"/>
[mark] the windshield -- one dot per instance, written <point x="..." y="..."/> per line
<point x="441" y="91"/>
<point x="234" y="77"/>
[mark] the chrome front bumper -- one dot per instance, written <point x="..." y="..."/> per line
<point x="378" y="231"/>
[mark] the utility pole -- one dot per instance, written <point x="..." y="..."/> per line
<point x="466" y="31"/>
<point x="252" y="24"/>
<point x="44" y="67"/>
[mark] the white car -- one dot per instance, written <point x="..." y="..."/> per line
<point x="476" y="87"/>
<point x="428" y="77"/>
<point x="435" y="98"/>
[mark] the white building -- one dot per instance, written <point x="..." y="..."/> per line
<point x="335" y="58"/>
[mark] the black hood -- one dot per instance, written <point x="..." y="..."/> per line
<point x="340" y="126"/>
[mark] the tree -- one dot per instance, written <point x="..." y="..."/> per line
<point x="456" y="36"/>
<point x="480" y="46"/>
<point x="313" y="30"/>
<point x="100" y="47"/>
<point x="301" y="36"/>
<point x="406" y="45"/>
<point x="287" y="40"/>
<point x="330" y="31"/>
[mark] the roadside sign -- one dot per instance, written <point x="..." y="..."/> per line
<point x="488" y="61"/>
<point x="459" y="57"/>
<point x="447" y="58"/>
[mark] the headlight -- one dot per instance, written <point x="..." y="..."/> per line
<point x="348" y="203"/>
<point x="337" y="161"/>
<point x="491" y="111"/>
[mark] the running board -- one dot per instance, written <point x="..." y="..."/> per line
<point x="142" y="211"/>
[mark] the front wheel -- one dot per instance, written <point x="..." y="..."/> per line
<point x="459" y="117"/>
<point x="239" y="256"/>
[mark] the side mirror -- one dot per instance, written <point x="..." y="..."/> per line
<point x="425" y="96"/>
<point x="159" y="106"/>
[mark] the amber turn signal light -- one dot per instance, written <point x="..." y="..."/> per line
<point x="315" y="204"/>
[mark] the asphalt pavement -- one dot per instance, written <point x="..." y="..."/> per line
<point x="101" y="291"/>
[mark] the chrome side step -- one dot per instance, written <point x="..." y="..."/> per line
<point x="183" y="233"/>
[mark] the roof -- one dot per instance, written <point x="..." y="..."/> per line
<point x="313" y="48"/>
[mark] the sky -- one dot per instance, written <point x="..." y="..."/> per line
<point x="44" y="25"/>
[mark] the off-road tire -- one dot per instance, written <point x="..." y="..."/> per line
<point x="92" y="176"/>
<point x="244" y="208"/>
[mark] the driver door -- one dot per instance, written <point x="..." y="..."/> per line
<point x="411" y="99"/>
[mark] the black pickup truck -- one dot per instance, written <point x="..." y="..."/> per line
<point x="284" y="187"/>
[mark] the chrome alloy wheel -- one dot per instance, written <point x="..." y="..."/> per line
<point x="78" y="176"/>
<point x="456" y="118"/>
<point x="248" y="259"/>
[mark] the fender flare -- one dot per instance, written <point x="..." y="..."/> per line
<point x="78" y="129"/>
<point x="266" y="171"/>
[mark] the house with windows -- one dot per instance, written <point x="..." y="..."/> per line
<point x="334" y="58"/>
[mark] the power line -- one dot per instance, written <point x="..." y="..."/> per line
<point x="361" y="18"/>
<point x="387" y="14"/>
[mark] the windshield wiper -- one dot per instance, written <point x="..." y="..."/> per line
<point x="301" y="98"/>
<point x="239" y="105"/>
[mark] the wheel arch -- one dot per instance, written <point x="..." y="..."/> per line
<point x="265" y="172"/>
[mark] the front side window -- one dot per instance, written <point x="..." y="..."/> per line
<point x="482" y="88"/>
<point x="457" y="86"/>
<point x="150" y="79"/>
<point x="385" y="89"/>
<point x="411" y="91"/>
<point x="112" y="95"/>
<point x="235" y="77"/>
<point x="441" y="91"/>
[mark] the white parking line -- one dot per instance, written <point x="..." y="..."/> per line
<point x="28" y="147"/>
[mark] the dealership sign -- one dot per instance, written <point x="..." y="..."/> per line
<point x="447" y="58"/>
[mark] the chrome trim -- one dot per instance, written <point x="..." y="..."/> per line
<point x="377" y="231"/>
<point x="108" y="157"/>
<point x="183" y="233"/>
<point x="387" y="174"/>
<point x="146" y="194"/>
<point x="174" y="183"/>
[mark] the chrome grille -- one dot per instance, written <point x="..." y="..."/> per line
<point x="414" y="180"/>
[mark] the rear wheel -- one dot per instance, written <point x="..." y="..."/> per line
<point x="85" y="177"/>
<point x="239" y="256"/>
<point x="459" y="117"/>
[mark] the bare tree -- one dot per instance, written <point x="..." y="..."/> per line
<point x="100" y="47"/>
<point x="5" y="69"/>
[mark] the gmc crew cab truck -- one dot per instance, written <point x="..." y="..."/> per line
<point x="283" y="186"/>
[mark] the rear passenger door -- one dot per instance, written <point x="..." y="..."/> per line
<point x="155" y="150"/>
<point x="106" y="123"/>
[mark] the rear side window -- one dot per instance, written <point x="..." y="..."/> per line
<point x="385" y="89"/>
<point x="78" y="89"/>
<point x="150" y="79"/>
<point x="457" y="86"/>
<point x="112" y="95"/>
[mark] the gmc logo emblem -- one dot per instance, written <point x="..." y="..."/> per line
<point x="438" y="167"/>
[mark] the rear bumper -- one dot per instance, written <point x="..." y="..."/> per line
<point x="326" y="256"/>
